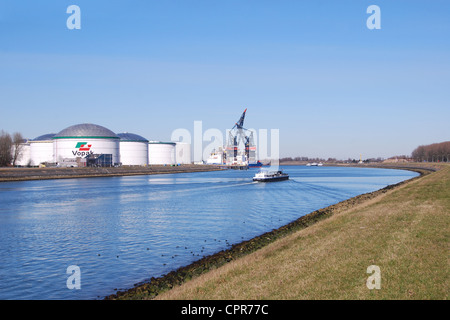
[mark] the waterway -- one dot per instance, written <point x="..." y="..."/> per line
<point x="123" y="230"/>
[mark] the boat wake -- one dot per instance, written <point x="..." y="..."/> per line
<point x="322" y="190"/>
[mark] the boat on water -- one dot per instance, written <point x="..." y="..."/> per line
<point x="314" y="164"/>
<point x="269" y="176"/>
<point x="257" y="164"/>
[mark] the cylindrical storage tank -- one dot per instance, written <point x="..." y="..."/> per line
<point x="82" y="140"/>
<point x="183" y="153"/>
<point x="41" y="149"/>
<point x="161" y="152"/>
<point x="133" y="149"/>
<point x="24" y="156"/>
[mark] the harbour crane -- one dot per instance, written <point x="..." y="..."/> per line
<point x="237" y="134"/>
<point x="240" y="123"/>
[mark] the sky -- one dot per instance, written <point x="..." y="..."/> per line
<point x="311" y="69"/>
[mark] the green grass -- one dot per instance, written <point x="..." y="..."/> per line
<point x="404" y="231"/>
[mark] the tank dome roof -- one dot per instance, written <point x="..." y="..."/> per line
<point x="85" y="130"/>
<point x="126" y="136"/>
<point x="44" y="137"/>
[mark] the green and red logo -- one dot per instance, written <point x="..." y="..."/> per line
<point x="82" y="149"/>
<point x="83" y="146"/>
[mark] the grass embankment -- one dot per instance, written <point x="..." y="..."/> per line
<point x="404" y="231"/>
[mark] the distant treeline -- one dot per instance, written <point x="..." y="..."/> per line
<point x="329" y="160"/>
<point x="436" y="152"/>
<point x="301" y="159"/>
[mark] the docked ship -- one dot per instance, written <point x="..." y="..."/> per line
<point x="239" y="151"/>
<point x="270" y="176"/>
<point x="257" y="164"/>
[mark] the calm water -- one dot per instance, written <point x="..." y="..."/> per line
<point x="124" y="230"/>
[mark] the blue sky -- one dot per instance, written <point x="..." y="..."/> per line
<point x="311" y="69"/>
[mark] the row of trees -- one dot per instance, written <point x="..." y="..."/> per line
<point x="329" y="160"/>
<point x="436" y="152"/>
<point x="301" y="159"/>
<point x="10" y="148"/>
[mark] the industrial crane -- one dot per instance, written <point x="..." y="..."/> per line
<point x="237" y="134"/>
<point x="240" y="123"/>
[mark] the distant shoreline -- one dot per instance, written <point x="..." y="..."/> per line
<point x="27" y="174"/>
<point x="414" y="166"/>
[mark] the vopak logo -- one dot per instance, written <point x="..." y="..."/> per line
<point x="82" y="149"/>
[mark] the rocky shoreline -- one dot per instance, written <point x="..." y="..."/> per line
<point x="24" y="174"/>
<point x="153" y="287"/>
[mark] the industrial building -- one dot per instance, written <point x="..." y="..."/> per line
<point x="89" y="144"/>
<point x="41" y="149"/>
<point x="72" y="145"/>
<point x="182" y="153"/>
<point x="24" y="158"/>
<point x="36" y="151"/>
<point x="161" y="152"/>
<point x="133" y="149"/>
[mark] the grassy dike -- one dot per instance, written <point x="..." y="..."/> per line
<point x="403" y="229"/>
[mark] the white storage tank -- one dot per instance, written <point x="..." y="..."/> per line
<point x="183" y="153"/>
<point x="161" y="152"/>
<point x="133" y="149"/>
<point x="41" y="149"/>
<point x="81" y="140"/>
<point x="24" y="156"/>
